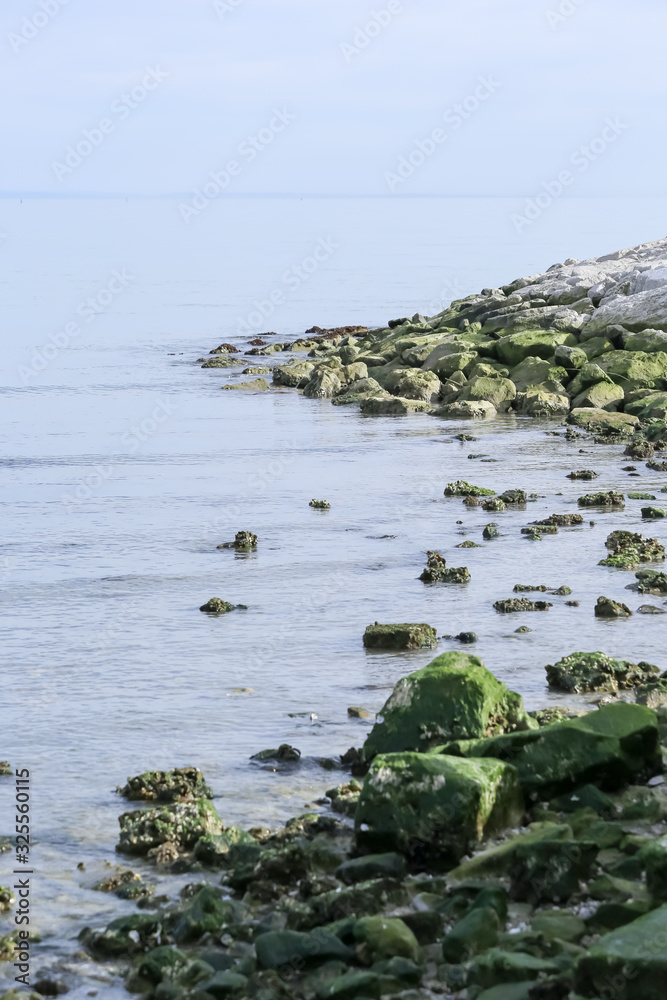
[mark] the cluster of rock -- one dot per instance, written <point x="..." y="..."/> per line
<point x="494" y="854"/>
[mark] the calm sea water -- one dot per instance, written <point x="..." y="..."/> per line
<point x="124" y="466"/>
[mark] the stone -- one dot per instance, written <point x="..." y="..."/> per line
<point x="323" y="385"/>
<point x="256" y="370"/>
<point x="352" y="985"/>
<point x="559" y="925"/>
<point x="597" y="420"/>
<point x="513" y="349"/>
<point x="416" y="384"/>
<point x="284" y="753"/>
<point x="551" y="871"/>
<point x="216" y="606"/>
<point x="629" y="549"/>
<point x="381" y="937"/>
<point x="530" y="372"/>
<point x="468" y="410"/>
<point x="607" y="608"/>
<point x="560" y="521"/>
<point x="371" y="866"/>
<point x="461" y="488"/>
<point x="320" y="504"/>
<point x="436" y="571"/>
<point x="581" y="672"/>
<point x="223" y="362"/>
<point x="583" y="474"/>
<point x="406" y="636"/>
<point x="500" y="392"/>
<point x="476" y="932"/>
<point x="393" y="406"/>
<point x="257" y="385"/>
<point x="497" y="966"/>
<point x="515" y="605"/>
<point x="204" y="913"/>
<point x="430" y="806"/>
<point x="635" y="369"/>
<point x="647" y="341"/>
<point x="213" y="849"/>
<point x="223" y="984"/>
<point x="536" y="401"/>
<point x="276" y="949"/>
<point x="609" y="747"/>
<point x="633" y="958"/>
<point x="651" y="582"/>
<point x="610" y="499"/>
<point x="245" y="541"/>
<point x="514" y="497"/>
<point x="454" y="697"/>
<point x="653" y="513"/>
<point x="181" y="824"/>
<point x="603" y="395"/>
<point x="182" y="784"/>
<point x="293" y="374"/>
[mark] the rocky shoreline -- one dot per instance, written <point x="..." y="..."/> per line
<point x="477" y="851"/>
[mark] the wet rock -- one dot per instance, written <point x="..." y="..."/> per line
<point x="393" y="406"/>
<point x="476" y="932"/>
<point x="653" y="513"/>
<point x="126" y="936"/>
<point x="293" y="374"/>
<point x="182" y="825"/>
<point x="597" y="420"/>
<point x="629" y="549"/>
<point x="516" y="347"/>
<point x="608" y="960"/>
<point x="323" y="385"/>
<point x="467" y="637"/>
<point x="607" y="608"/>
<point x="514" y="605"/>
<point x="609" y="747"/>
<point x="523" y="630"/>
<point x="182" y="784"/>
<point x="256" y="370"/>
<point x="406" y="636"/>
<point x="222" y="362"/>
<point x="468" y="410"/>
<point x="257" y="385"/>
<point x="500" y="392"/>
<point x="224" y="349"/>
<point x="437" y="572"/>
<point x="213" y="849"/>
<point x="494" y="505"/>
<point x="282" y="948"/>
<point x="580" y="672"/>
<point x="344" y="798"/>
<point x="514" y="497"/>
<point x="650" y="609"/>
<point x="469" y="545"/>
<point x="640" y="449"/>
<point x="583" y="474"/>
<point x="522" y="588"/>
<point x="560" y="520"/>
<point x="551" y="871"/>
<point x="382" y="937"/>
<point x="651" y="582"/>
<point x="415" y="384"/>
<point x="216" y="606"/>
<point x="371" y="866"/>
<point x="429" y="806"/>
<point x="610" y="499"/>
<point x="320" y="504"/>
<point x="352" y="984"/>
<point x="5" y="767"/>
<point x="537" y="401"/>
<point x="603" y="395"/>
<point x="454" y="697"/>
<point x="244" y="541"/>
<point x="284" y="753"/>
<point x="653" y="694"/>
<point x="490" y="532"/>
<point x="356" y="712"/>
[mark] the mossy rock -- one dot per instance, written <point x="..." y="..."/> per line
<point x="501" y="392"/>
<point x="540" y="401"/>
<point x="182" y="784"/>
<point x="383" y="937"/>
<point x="602" y="395"/>
<point x="257" y="385"/>
<point x="581" y="672"/>
<point x="393" y="406"/>
<point x="276" y="949"/>
<point x="639" y="947"/>
<point x="496" y="861"/>
<point x="403" y="636"/>
<point x="181" y="824"/>
<point x="531" y="371"/>
<point x="462" y="488"/>
<point x="213" y="849"/>
<point x="609" y="747"/>
<point x="292" y="375"/>
<point x="513" y="349"/>
<point x="454" y="697"/>
<point x="430" y="806"/>
<point x="205" y="913"/>
<point x="634" y="369"/>
<point x="476" y="932"/>
<point x="497" y="966"/>
<point x="598" y="420"/>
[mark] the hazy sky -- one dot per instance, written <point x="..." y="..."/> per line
<point x="516" y="91"/>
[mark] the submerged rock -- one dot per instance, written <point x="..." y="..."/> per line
<point x="284" y="753"/>
<point x="653" y="513"/>
<point x="257" y="385"/>
<point x="406" y="636"/>
<point x="437" y="572"/>
<point x="607" y="608"/>
<point x="181" y="825"/>
<point x="461" y="488"/>
<point x="583" y="474"/>
<point x="610" y="499"/>
<point x="182" y="784"/>
<point x="514" y="605"/>
<point x="320" y="504"/>
<point x="629" y="549"/>
<point x="560" y="520"/>
<point x="580" y="672"/>
<point x="651" y="582"/>
<point x="454" y="697"/>
<point x="216" y="606"/>
<point x="244" y="541"/>
<point x="431" y="807"/>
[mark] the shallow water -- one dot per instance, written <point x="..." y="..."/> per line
<point x="124" y="466"/>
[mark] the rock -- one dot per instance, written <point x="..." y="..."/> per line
<point x="360" y="390"/>
<point x="244" y="541"/>
<point x="461" y="488"/>
<point x="320" y="504"/>
<point x="490" y="532"/>
<point x="634" y="369"/>
<point x="628" y="550"/>
<point x="216" y="606"/>
<point x="454" y="697"/>
<point x="355" y="712"/>
<point x="494" y="505"/>
<point x="449" y="358"/>
<point x="606" y="608"/>
<point x="583" y="474"/>
<point x="478" y="931"/>
<point x="223" y="362"/>
<point x="581" y="672"/>
<point x="571" y="358"/>
<point x="651" y="582"/>
<point x="596" y="420"/>
<point x="516" y="347"/>
<point x="610" y="499"/>
<point x="204" y="913"/>
<point x="213" y="849"/>
<point x="433" y="807"/>
<point x="530" y="372"/>
<point x="634" y="948"/>
<point x="293" y="374"/>
<point x="559" y="925"/>
<point x="256" y="370"/>
<point x="371" y="866"/>
<point x="609" y="747"/>
<point x="353" y="984"/>
<point x="416" y="384"/>
<point x="224" y="349"/>
<point x="510" y="967"/>
<point x="393" y="406"/>
<point x="257" y="385"/>
<point x="278" y="949"/>
<point x="560" y="520"/>
<point x="223" y="984"/>
<point x="496" y="861"/>
<point x="323" y="385"/>
<point x="650" y="609"/>
<point x="653" y="513"/>
<point x="382" y="937"/>
<point x="551" y="871"/>
<point x="657" y="466"/>
<point x="514" y="497"/>
<point x="437" y="572"/>
<point x="182" y="825"/>
<point x="479" y="410"/>
<point x="541" y="402"/>
<point x="182" y="784"/>
<point x="650" y="406"/>
<point x="467" y="637"/>
<point x="514" y="605"/>
<point x="500" y="392"/>
<point x="603" y="395"/>
<point x="407" y="636"/>
<point x="284" y="753"/>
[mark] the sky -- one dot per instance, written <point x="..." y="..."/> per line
<point x="345" y="97"/>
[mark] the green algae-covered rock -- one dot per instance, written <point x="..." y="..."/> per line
<point x="461" y="488"/>
<point x="531" y="371"/>
<point x="653" y="858"/>
<point x="371" y="866"/>
<point x="651" y="582"/>
<point x="403" y="636"/>
<point x="222" y="985"/>
<point x="605" y="607"/>
<point x="216" y="606"/>
<point x="293" y="374"/>
<point x="551" y="871"/>
<point x="393" y="406"/>
<point x="539" y="401"/>
<point x="466" y="410"/>
<point x="205" y="913"/>
<point x="454" y="697"/>
<point x="213" y="850"/>
<point x="257" y="385"/>
<point x="436" y="571"/>
<point x="646" y="341"/>
<point x="433" y="807"/>
<point x="280" y="948"/>
<point x="497" y="966"/>
<point x="416" y="384"/>
<point x="603" y="395"/>
<point x="477" y="931"/>
<point x="352" y="985"/>
<point x="631" y="960"/>
<point x="513" y="349"/>
<point x="128" y="935"/>
<point x="161" y="963"/>
<point x="559" y="925"/>
<point x="609" y="747"/>
<point x="500" y="392"/>
<point x="610" y="499"/>
<point x="182" y="784"/>
<point x="182" y="825"/>
<point x="386" y="937"/>
<point x="598" y="420"/>
<point x="580" y="672"/>
<point x="634" y="369"/>
<point x="629" y="549"/>
<point x="496" y="861"/>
